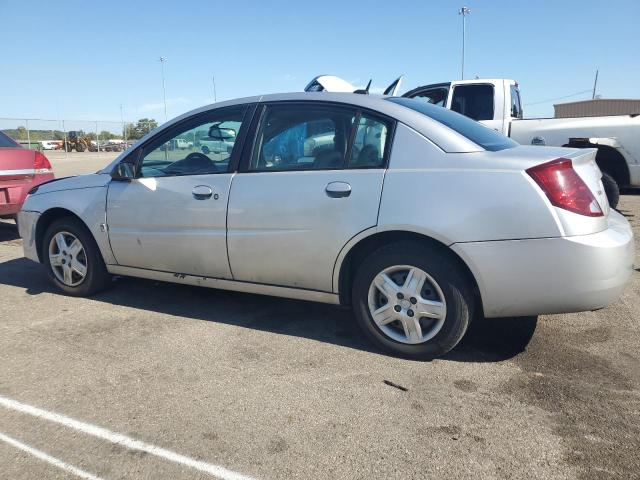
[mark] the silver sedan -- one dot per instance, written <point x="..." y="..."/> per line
<point x="416" y="217"/>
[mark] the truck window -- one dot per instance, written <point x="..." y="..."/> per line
<point x="436" y="96"/>
<point x="516" y="106"/>
<point x="473" y="101"/>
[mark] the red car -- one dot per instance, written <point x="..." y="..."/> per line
<point x="21" y="169"/>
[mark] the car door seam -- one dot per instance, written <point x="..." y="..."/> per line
<point x="226" y="223"/>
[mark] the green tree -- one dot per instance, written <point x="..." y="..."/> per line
<point x="140" y="128"/>
<point x="20" y="133"/>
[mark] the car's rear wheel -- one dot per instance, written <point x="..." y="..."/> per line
<point x="72" y="258"/>
<point x="412" y="300"/>
<point x="611" y="188"/>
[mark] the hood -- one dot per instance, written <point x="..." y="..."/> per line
<point x="92" y="180"/>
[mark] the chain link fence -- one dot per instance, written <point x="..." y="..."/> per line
<point x="95" y="135"/>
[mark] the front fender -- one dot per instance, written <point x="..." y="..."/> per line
<point x="88" y="204"/>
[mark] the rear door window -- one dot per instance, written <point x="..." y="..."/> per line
<point x="473" y="101"/>
<point x="302" y="137"/>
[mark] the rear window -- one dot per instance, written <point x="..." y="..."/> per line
<point x="6" y="141"/>
<point x="474" y="101"/>
<point x="476" y="132"/>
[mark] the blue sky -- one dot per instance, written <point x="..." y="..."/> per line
<point x="82" y="60"/>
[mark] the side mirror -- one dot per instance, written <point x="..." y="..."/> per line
<point x="124" y="171"/>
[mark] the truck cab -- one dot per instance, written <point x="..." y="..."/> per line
<point x="493" y="102"/>
<point x="496" y="103"/>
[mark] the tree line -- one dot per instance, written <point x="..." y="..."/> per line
<point x="132" y="131"/>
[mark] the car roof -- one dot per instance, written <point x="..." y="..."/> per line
<point x="442" y="136"/>
<point x="447" y="139"/>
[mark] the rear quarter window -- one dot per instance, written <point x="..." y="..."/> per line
<point x="485" y="137"/>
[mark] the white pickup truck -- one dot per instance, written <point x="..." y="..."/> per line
<point x="496" y="103"/>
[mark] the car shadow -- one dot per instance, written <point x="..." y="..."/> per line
<point x="8" y="231"/>
<point x="486" y="341"/>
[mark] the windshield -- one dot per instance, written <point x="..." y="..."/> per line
<point x="476" y="132"/>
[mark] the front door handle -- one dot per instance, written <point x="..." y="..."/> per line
<point x="202" y="192"/>
<point x="338" y="189"/>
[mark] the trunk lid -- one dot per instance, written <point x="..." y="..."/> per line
<point x="16" y="164"/>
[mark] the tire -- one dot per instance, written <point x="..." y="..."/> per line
<point x="444" y="278"/>
<point x="96" y="277"/>
<point x="80" y="147"/>
<point x="611" y="188"/>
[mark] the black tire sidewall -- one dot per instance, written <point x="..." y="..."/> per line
<point x="443" y="270"/>
<point x="97" y="275"/>
<point x="611" y="189"/>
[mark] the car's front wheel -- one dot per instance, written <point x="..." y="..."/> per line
<point x="412" y="300"/>
<point x="72" y="258"/>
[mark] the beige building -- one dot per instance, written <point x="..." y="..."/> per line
<point x="597" y="108"/>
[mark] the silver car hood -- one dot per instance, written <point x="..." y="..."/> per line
<point x="91" y="180"/>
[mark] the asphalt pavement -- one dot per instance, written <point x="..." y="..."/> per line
<point x="152" y="380"/>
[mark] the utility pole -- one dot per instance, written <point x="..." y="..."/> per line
<point x="124" y="127"/>
<point x="595" y="83"/>
<point x="213" y="79"/>
<point x="464" y="11"/>
<point x="164" y="92"/>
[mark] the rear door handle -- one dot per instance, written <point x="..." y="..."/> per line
<point x="338" y="189"/>
<point x="202" y="192"/>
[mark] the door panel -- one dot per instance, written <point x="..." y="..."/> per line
<point x="173" y="215"/>
<point x="285" y="228"/>
<point x="171" y="223"/>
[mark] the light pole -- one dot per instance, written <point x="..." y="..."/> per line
<point x="164" y="93"/>
<point x="213" y="79"/>
<point x="464" y="11"/>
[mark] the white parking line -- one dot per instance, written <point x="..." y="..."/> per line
<point x="123" y="440"/>
<point x="48" y="458"/>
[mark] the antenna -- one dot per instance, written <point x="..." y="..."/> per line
<point x="364" y="91"/>
<point x="394" y="87"/>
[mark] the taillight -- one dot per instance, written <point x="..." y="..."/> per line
<point x="41" y="163"/>
<point x="564" y="187"/>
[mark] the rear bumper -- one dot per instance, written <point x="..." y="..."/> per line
<point x="27" y="224"/>
<point x="14" y="192"/>
<point x="552" y="275"/>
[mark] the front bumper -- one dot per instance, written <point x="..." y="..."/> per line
<point x="27" y="228"/>
<point x="552" y="275"/>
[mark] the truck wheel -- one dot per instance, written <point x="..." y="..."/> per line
<point x="611" y="189"/>
<point x="80" y="147"/>
<point x="412" y="300"/>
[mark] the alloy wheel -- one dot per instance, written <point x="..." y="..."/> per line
<point x="68" y="259"/>
<point x="407" y="304"/>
